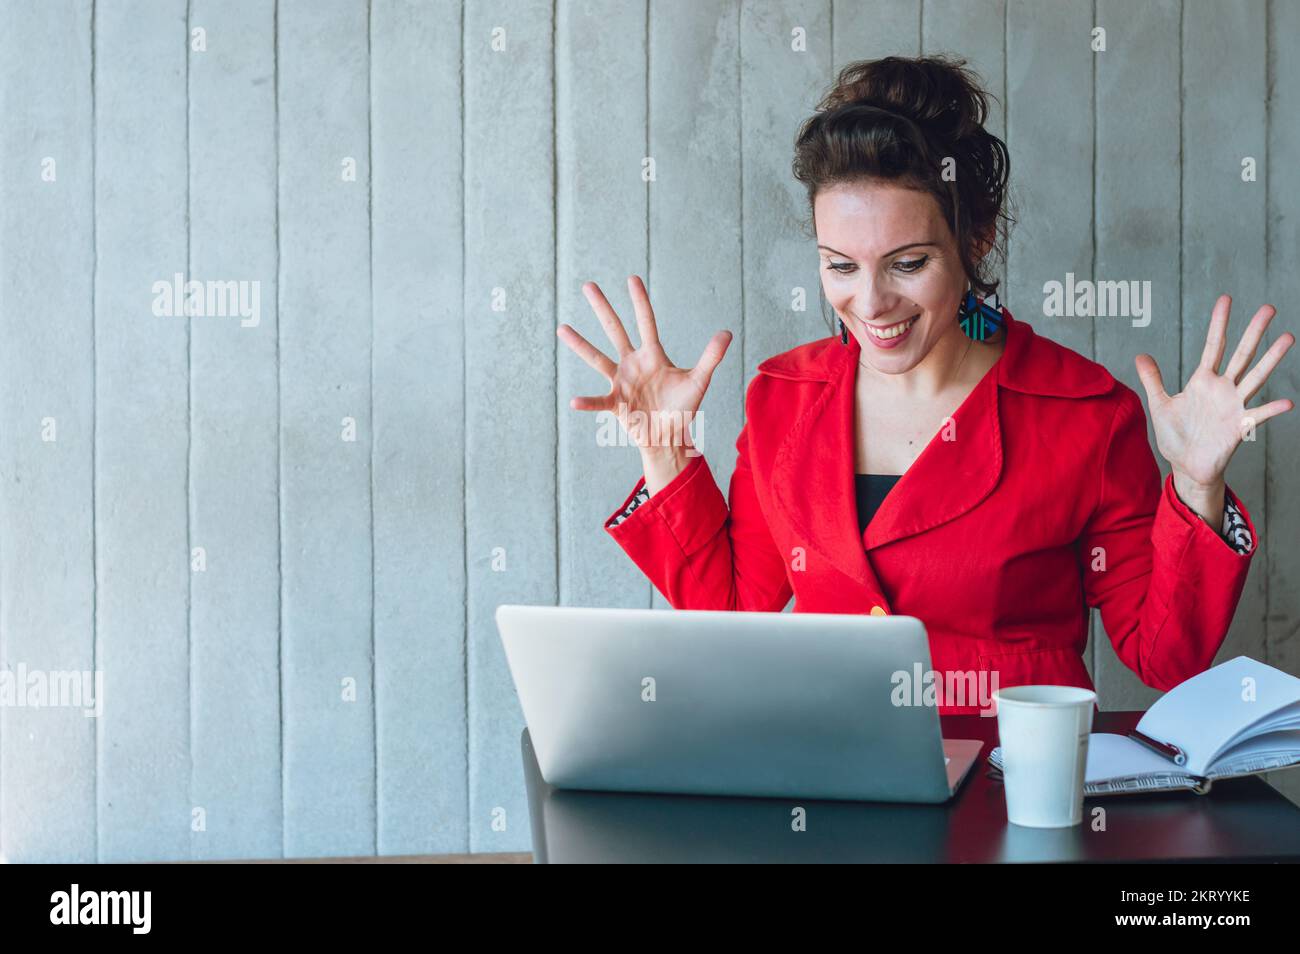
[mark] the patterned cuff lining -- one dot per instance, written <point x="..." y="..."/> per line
<point x="1235" y="532"/>
<point x="641" y="497"/>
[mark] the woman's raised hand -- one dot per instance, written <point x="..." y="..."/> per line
<point x="1198" y="429"/>
<point x="654" y="400"/>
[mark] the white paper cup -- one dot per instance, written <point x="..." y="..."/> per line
<point x="1044" y="736"/>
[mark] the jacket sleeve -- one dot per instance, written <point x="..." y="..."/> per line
<point x="1166" y="583"/>
<point x="700" y="551"/>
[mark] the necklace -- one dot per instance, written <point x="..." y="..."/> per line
<point x="969" y="341"/>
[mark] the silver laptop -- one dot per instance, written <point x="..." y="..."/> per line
<point x="729" y="703"/>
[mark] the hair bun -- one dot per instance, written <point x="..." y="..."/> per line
<point x="938" y="93"/>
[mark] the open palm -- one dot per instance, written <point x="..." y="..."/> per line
<point x="1199" y="429"/>
<point x="645" y="386"/>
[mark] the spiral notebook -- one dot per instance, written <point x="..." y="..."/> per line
<point x="1241" y="717"/>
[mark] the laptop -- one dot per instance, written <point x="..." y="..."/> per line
<point x="729" y="703"/>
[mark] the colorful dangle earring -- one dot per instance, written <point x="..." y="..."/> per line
<point x="844" y="333"/>
<point x="980" y="318"/>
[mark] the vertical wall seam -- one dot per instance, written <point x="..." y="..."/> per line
<point x="370" y="242"/>
<point x="94" y="410"/>
<point x="555" y="295"/>
<point x="648" y="587"/>
<point x="1269" y="85"/>
<point x="740" y="140"/>
<point x="1092" y="322"/>
<point x="1094" y="624"/>
<point x="279" y="424"/>
<point x="464" y="436"/>
<point x="1182" y="99"/>
<point x="1006" y="124"/>
<point x="189" y="428"/>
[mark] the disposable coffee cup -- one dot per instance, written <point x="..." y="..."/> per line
<point x="1044" y="737"/>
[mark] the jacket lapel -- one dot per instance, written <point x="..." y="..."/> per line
<point x="812" y="473"/>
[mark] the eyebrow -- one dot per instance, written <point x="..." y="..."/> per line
<point x="887" y="254"/>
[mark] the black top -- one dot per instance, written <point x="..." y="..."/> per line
<point x="872" y="489"/>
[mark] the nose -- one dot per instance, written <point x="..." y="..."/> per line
<point x="873" y="302"/>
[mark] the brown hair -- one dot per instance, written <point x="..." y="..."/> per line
<point x="898" y="119"/>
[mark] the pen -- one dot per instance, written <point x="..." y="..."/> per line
<point x="1172" y="752"/>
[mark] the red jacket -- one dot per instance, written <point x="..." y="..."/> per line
<point x="1043" y="500"/>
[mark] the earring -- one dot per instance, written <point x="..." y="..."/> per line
<point x="980" y="319"/>
<point x="844" y="333"/>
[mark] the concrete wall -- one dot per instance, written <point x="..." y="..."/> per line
<point x="282" y="540"/>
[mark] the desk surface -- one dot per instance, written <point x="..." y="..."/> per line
<point x="1239" y="820"/>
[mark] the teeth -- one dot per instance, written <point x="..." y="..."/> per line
<point x="893" y="331"/>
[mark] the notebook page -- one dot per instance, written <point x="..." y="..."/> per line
<point x="1288" y="718"/>
<point x="1276" y="747"/>
<point x="1207" y="711"/>
<point x="1112" y="756"/>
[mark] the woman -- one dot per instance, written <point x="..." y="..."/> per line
<point x="937" y="458"/>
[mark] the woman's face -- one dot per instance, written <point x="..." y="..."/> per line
<point x="889" y="265"/>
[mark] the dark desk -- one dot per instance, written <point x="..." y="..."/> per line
<point x="1239" y="820"/>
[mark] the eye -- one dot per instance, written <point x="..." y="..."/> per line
<point x="842" y="268"/>
<point x="912" y="265"/>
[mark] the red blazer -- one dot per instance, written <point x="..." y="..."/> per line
<point x="1041" y="499"/>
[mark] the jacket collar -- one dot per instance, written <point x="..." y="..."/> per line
<point x="814" y="465"/>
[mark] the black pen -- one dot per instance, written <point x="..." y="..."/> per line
<point x="1172" y="752"/>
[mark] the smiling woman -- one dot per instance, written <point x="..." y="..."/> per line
<point x="1026" y="488"/>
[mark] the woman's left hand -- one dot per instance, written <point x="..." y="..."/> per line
<point x="1199" y="429"/>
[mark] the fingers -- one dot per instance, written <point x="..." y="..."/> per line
<point x="1149" y="374"/>
<point x="614" y="329"/>
<point x="645" y="316"/>
<point x="588" y="352"/>
<point x="602" y="402"/>
<point x="1272" y="409"/>
<point x="1253" y="381"/>
<point x="710" y="358"/>
<point x="1245" y="351"/>
<point x="1217" y="336"/>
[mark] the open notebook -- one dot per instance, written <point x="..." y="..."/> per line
<point x="1239" y="718"/>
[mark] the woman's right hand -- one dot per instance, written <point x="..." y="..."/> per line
<point x="645" y="387"/>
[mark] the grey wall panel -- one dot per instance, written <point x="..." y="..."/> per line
<point x="510" y="361"/>
<point x="142" y="432"/>
<point x="47" y="755"/>
<point x="1282" y="452"/>
<point x="786" y="68"/>
<point x="325" y="428"/>
<point x="1137" y="210"/>
<point x="878" y="28"/>
<point x="1049" y="70"/>
<point x="601" y="236"/>
<point x="1223" y="249"/>
<point x="234" y="479"/>
<point x="419" y="429"/>
<point x="696" y="259"/>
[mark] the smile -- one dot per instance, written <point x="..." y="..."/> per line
<point x="894" y="330"/>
